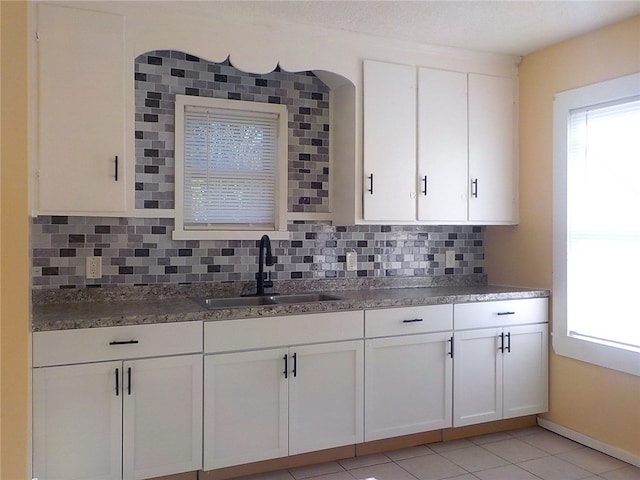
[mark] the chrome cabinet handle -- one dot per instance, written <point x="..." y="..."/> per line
<point x="370" y="189"/>
<point x="474" y="188"/>
<point x="424" y="185"/>
<point x="506" y="313"/>
<point x="116" y="167"/>
<point x="413" y="320"/>
<point x="124" y="342"/>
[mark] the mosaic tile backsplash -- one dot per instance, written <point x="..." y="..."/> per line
<point x="141" y="252"/>
<point x="160" y="75"/>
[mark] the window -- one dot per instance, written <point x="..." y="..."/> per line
<point x="231" y="168"/>
<point x="597" y="224"/>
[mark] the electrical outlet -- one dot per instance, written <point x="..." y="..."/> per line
<point x="352" y="261"/>
<point x="94" y="267"/>
<point x="450" y="259"/>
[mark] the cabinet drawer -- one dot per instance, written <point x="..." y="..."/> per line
<point x="62" y="347"/>
<point x="406" y="320"/>
<point x="266" y="332"/>
<point x="500" y="313"/>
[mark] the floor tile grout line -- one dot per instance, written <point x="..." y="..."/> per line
<point x="518" y="464"/>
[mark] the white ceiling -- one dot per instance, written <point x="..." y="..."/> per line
<point x="514" y="27"/>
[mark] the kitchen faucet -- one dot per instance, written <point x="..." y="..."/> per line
<point x="265" y="257"/>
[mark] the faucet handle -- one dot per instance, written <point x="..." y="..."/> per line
<point x="268" y="283"/>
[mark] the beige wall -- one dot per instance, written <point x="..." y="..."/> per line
<point x="600" y="403"/>
<point x="14" y="243"/>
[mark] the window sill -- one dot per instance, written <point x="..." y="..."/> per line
<point x="228" y="234"/>
<point x="625" y="360"/>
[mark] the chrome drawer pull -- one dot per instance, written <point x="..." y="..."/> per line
<point x="124" y="342"/>
<point x="412" y="320"/>
<point x="506" y="313"/>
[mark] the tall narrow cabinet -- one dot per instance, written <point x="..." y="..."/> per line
<point x="81" y="112"/>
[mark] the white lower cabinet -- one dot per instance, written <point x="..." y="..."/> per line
<point x="502" y="371"/>
<point x="262" y="403"/>
<point x="130" y="402"/>
<point x="325" y="396"/>
<point x="162" y="420"/>
<point x="246" y="404"/>
<point x="408" y="372"/>
<point x="408" y="385"/>
<point x="133" y="420"/>
<point x="121" y="419"/>
<point x="77" y="422"/>
<point x="277" y="402"/>
<point x="477" y="377"/>
<point x="525" y="371"/>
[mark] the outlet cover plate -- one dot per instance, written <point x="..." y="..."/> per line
<point x="450" y="259"/>
<point x="352" y="261"/>
<point x="93" y="267"/>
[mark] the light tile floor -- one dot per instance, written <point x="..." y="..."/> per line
<point x="528" y="454"/>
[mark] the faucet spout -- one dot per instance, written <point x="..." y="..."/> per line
<point x="265" y="257"/>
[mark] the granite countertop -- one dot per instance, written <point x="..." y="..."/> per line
<point x="91" y="314"/>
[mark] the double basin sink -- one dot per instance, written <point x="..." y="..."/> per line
<point x="265" y="300"/>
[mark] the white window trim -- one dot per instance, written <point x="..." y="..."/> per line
<point x="580" y="348"/>
<point x="280" y="232"/>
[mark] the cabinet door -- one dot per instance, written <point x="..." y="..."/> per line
<point x="245" y="407"/>
<point x="525" y="370"/>
<point x="492" y="155"/>
<point x="162" y="416"/>
<point x="389" y="141"/>
<point x="408" y="385"/>
<point x="477" y="376"/>
<point x="77" y="422"/>
<point x="81" y="126"/>
<point x="442" y="145"/>
<point x="325" y="396"/>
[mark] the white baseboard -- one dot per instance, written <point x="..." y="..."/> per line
<point x="590" y="442"/>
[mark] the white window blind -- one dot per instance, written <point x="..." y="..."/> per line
<point x="230" y="169"/>
<point x="603" y="223"/>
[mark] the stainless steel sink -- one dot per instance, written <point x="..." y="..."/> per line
<point x="305" y="298"/>
<point x="236" y="302"/>
<point x="240" y="302"/>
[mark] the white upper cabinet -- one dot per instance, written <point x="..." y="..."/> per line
<point x="442" y="145"/>
<point x="81" y="112"/>
<point x="389" y="142"/>
<point x="438" y="146"/>
<point x="492" y="166"/>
